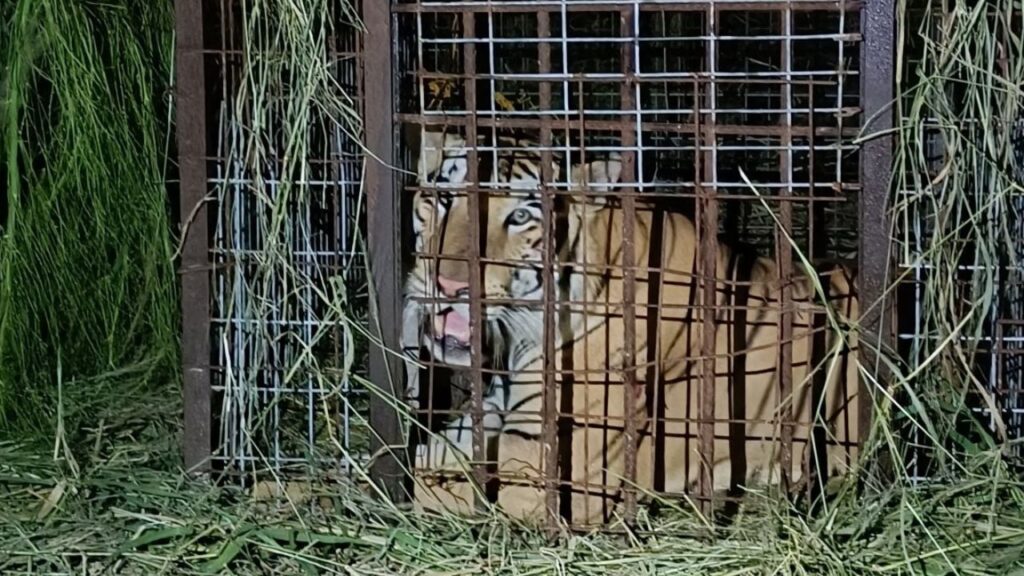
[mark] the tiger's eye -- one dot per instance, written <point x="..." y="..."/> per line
<point x="519" y="217"/>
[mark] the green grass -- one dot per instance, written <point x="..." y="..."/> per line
<point x="960" y="95"/>
<point x="129" y="510"/>
<point x="88" y="307"/>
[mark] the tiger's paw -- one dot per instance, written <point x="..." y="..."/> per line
<point x="442" y="479"/>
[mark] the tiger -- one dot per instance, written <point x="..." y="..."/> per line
<point x="442" y="169"/>
<point x="590" y="347"/>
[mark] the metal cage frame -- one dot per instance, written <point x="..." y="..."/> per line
<point x="223" y="351"/>
<point x="381" y="91"/>
<point x="875" y="74"/>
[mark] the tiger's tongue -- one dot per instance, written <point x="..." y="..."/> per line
<point x="452" y="324"/>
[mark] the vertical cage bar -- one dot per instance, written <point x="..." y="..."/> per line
<point x="431" y="255"/>
<point x="550" y="406"/>
<point x="708" y="245"/>
<point x="629" y="177"/>
<point x="383" y="204"/>
<point x="585" y="304"/>
<point x="785" y="260"/>
<point x="476" y="211"/>
<point x="878" y="17"/>
<point x="194" y="268"/>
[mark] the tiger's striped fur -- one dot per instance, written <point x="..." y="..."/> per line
<point x="442" y="169"/>
<point x="591" y="346"/>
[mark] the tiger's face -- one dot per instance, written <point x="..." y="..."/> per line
<point x="512" y="227"/>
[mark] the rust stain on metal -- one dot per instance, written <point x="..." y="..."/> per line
<point x="582" y="7"/>
<point x="707" y="255"/>
<point x="630" y="175"/>
<point x="477" y="212"/>
<point x="549" y="390"/>
<point x="597" y="124"/>
<point x="785" y="261"/>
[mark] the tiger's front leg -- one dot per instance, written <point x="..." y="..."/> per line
<point x="519" y="448"/>
<point x="444" y="462"/>
<point x="521" y="452"/>
<point x="410" y="343"/>
<point x="521" y="491"/>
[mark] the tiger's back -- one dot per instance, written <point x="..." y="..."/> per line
<point x="668" y="370"/>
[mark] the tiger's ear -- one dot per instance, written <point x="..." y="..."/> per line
<point x="429" y="159"/>
<point x="432" y="151"/>
<point x="597" y="179"/>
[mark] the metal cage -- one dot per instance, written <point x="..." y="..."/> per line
<point x="271" y="250"/>
<point x="741" y="115"/>
<point x="995" y="348"/>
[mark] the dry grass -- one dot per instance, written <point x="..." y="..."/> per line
<point x="129" y="511"/>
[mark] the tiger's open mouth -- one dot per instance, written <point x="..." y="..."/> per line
<point x="451" y="329"/>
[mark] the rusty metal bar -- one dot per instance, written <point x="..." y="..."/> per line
<point x="629" y="175"/>
<point x="815" y="220"/>
<point x="816" y="466"/>
<point x="538" y="6"/>
<point x="477" y="211"/>
<point x="688" y="195"/>
<point x="708" y="244"/>
<point x="594" y="124"/>
<point x="550" y="409"/>
<point x="584" y="268"/>
<point x="693" y="276"/>
<point x="620" y="422"/>
<point x="383" y="204"/>
<point x="877" y="24"/>
<point x="785" y="260"/>
<point x="655" y="407"/>
<point x="194" y="268"/>
<point x="816" y="235"/>
<point x="818" y="243"/>
<point x="723" y="77"/>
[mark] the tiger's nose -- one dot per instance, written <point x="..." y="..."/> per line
<point x="452" y="288"/>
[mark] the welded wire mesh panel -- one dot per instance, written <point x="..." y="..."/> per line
<point x="610" y="207"/>
<point x="958" y="217"/>
<point x="288" y="281"/>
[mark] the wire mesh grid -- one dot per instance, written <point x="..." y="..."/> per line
<point x="691" y="100"/>
<point x="289" y="276"/>
<point x="991" y="343"/>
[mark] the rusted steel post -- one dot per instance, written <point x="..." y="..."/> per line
<point x="190" y="113"/>
<point x="876" y="69"/>
<point x="477" y="212"/>
<point x="630" y="175"/>
<point x="785" y="261"/>
<point x="383" y="205"/>
<point x="707" y="256"/>
<point x="550" y="396"/>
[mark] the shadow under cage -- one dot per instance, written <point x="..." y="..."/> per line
<point x="606" y="221"/>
